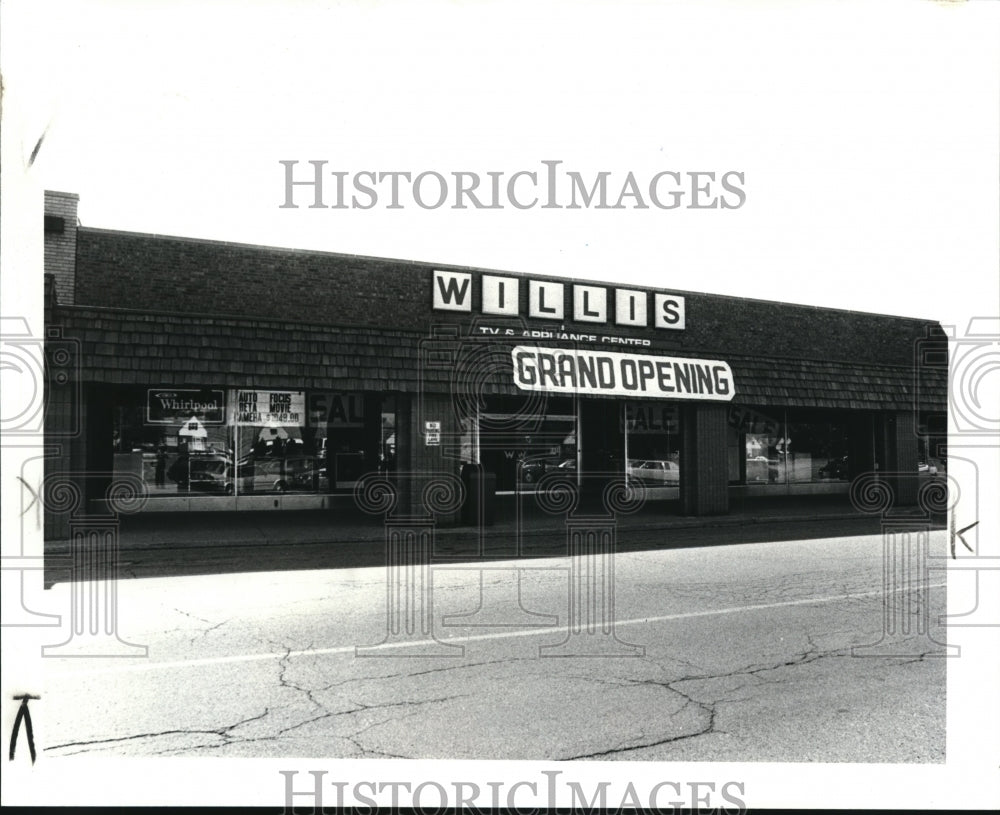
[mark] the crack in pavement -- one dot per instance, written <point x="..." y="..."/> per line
<point x="225" y="733"/>
<point x="408" y="674"/>
<point x="804" y="658"/>
<point x="203" y="633"/>
<point x="208" y="631"/>
<point x="192" y="616"/>
<point x="911" y="659"/>
<point x="280" y="734"/>
<point x="360" y="707"/>
<point x="709" y="727"/>
<point x="353" y="737"/>
<point x="284" y="664"/>
<point x="708" y="708"/>
<point x="811" y="654"/>
<point x="221" y="732"/>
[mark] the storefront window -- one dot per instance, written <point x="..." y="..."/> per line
<point x="815" y="449"/>
<point x="469" y="444"/>
<point x="786" y="447"/>
<point x="932" y="441"/>
<point x="277" y="450"/>
<point x="519" y="445"/>
<point x="652" y="443"/>
<point x="387" y="444"/>
<point x="175" y="439"/>
<point x="354" y="434"/>
<point x="242" y="442"/>
<point x="754" y="447"/>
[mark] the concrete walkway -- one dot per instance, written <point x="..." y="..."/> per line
<point x="347" y="524"/>
<point x="204" y="543"/>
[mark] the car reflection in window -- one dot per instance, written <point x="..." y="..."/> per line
<point x="655" y="473"/>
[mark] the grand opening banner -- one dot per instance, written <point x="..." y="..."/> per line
<point x="560" y="370"/>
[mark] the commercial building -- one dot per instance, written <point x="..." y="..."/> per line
<point x="212" y="375"/>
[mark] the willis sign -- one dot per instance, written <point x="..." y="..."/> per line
<point x="549" y="300"/>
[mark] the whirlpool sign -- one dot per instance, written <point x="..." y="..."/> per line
<point x="558" y="370"/>
<point x="171" y="405"/>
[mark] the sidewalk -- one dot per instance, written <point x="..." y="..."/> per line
<point x="347" y="525"/>
<point x="215" y="543"/>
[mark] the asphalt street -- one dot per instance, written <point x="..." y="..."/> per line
<point x="768" y="651"/>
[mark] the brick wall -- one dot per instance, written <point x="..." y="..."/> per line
<point x="60" y="242"/>
<point x="704" y="473"/>
<point x="144" y="272"/>
<point x="157" y="273"/>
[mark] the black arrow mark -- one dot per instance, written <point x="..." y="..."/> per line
<point x="23" y="713"/>
<point x="34" y="495"/>
<point x="958" y="535"/>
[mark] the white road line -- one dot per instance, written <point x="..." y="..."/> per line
<point x="130" y="667"/>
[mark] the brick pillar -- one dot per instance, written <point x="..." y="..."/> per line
<point x="599" y="439"/>
<point x="405" y="409"/>
<point x="65" y="413"/>
<point x="427" y="458"/>
<point x="704" y="473"/>
<point x="901" y="458"/>
<point x="57" y="415"/>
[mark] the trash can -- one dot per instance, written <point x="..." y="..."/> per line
<point x="480" y="495"/>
